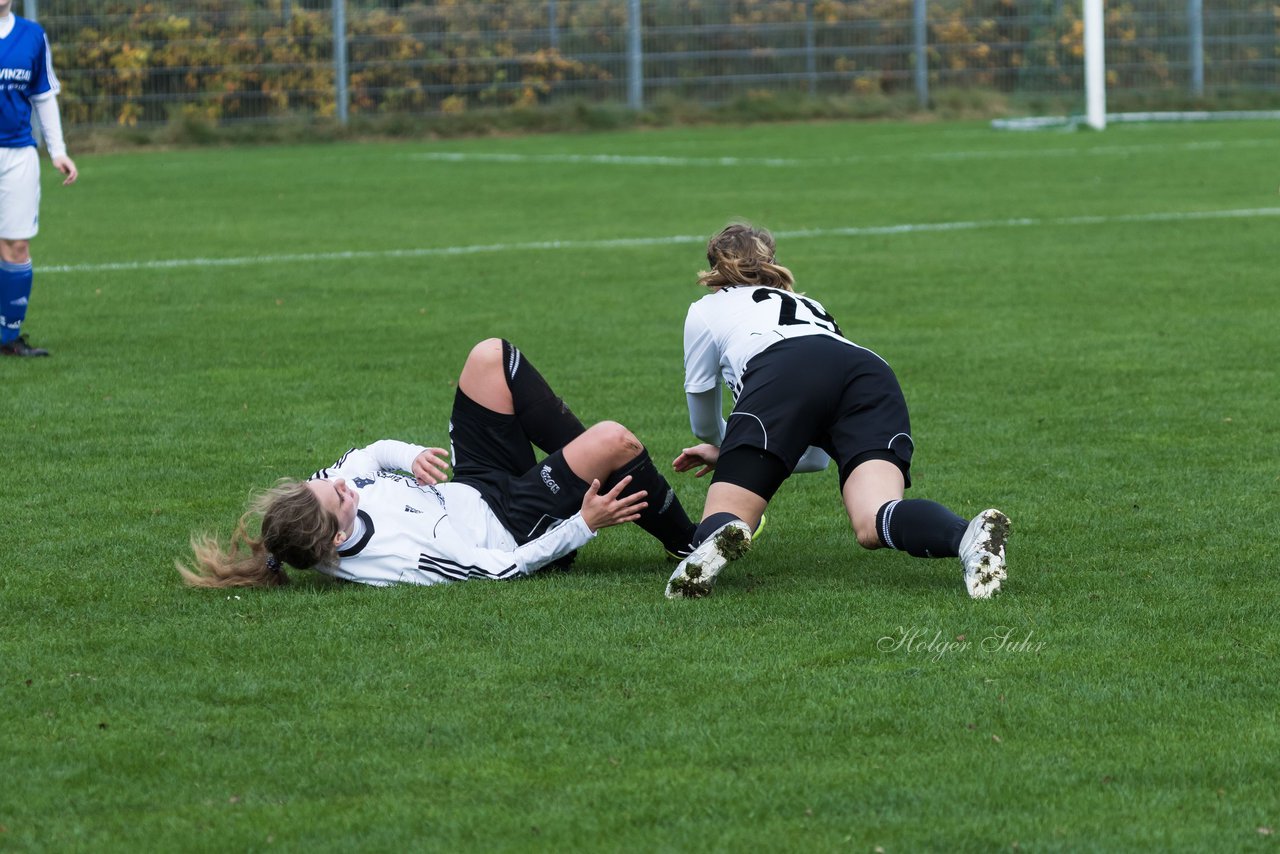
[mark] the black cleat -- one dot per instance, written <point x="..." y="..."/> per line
<point x="20" y="347"/>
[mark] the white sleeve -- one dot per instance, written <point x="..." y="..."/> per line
<point x="704" y="415"/>
<point x="382" y="455"/>
<point x="814" y="459"/>
<point x="557" y="542"/>
<point x="449" y="554"/>
<point x="701" y="357"/>
<point x="46" y="110"/>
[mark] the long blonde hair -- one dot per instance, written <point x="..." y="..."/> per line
<point x="295" y="529"/>
<point x="744" y="255"/>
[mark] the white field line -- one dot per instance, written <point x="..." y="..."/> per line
<point x="668" y="240"/>
<point x="791" y="162"/>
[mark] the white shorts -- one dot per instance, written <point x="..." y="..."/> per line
<point x="19" y="193"/>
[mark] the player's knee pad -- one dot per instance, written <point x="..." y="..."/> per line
<point x="753" y="469"/>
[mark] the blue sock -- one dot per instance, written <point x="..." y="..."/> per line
<point x="15" y="290"/>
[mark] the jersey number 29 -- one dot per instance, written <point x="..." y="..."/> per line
<point x="787" y="311"/>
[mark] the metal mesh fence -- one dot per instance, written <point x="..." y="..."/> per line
<point x="145" y="62"/>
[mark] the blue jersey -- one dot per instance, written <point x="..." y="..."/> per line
<point x="26" y="70"/>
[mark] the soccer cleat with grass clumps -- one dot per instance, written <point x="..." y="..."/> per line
<point x="677" y="556"/>
<point x="696" y="574"/>
<point x="982" y="553"/>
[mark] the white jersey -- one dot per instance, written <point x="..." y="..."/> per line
<point x="724" y="329"/>
<point x="407" y="533"/>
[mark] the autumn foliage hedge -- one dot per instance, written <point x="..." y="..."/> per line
<point x="128" y="63"/>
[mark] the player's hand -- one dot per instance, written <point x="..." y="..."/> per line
<point x="431" y="466"/>
<point x="704" y="455"/>
<point x="67" y="167"/>
<point x="602" y="511"/>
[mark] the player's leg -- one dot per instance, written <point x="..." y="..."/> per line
<point x="19" y="205"/>
<point x="16" y="279"/>
<point x="873" y="492"/>
<point x="498" y="376"/>
<point x="601" y="450"/>
<point x="746" y="479"/>
<point x="485" y="435"/>
<point x="881" y="517"/>
<point x="744" y="483"/>
<point x="779" y="412"/>
<point x="482" y="380"/>
<point x="15" y="251"/>
<point x="608" y="452"/>
<point x="872" y="438"/>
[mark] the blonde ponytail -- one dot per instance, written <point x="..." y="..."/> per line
<point x="242" y="564"/>
<point x="295" y="529"/>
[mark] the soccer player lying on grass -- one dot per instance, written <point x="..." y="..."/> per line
<point x="803" y="393"/>
<point x="502" y="516"/>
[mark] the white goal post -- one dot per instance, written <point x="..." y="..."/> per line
<point x="1095" y="83"/>
<point x="1095" y="65"/>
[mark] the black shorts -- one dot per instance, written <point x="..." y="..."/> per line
<point x="818" y="391"/>
<point x="492" y="455"/>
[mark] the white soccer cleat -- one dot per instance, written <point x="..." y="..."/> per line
<point x="982" y="553"/>
<point x="696" y="574"/>
<point x="681" y="554"/>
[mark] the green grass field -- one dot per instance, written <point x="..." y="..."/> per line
<point x="1086" y="327"/>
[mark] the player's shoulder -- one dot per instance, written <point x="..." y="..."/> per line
<point x="723" y="296"/>
<point x="27" y="27"/>
<point x="698" y="306"/>
<point x="805" y="295"/>
<point x="356" y="459"/>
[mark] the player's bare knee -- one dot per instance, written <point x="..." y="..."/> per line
<point x="483" y="362"/>
<point x="868" y="536"/>
<point x="482" y="376"/>
<point x="620" y="442"/>
<point x="488" y="353"/>
<point x="15" y="251"/>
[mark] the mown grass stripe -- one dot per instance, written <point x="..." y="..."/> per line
<point x="624" y="242"/>
<point x="1001" y="153"/>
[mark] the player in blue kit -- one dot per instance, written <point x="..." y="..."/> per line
<point x="27" y="86"/>
<point x="803" y="394"/>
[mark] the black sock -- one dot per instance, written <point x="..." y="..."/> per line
<point x="664" y="518"/>
<point x="544" y="417"/>
<point x="710" y="525"/>
<point x="920" y="528"/>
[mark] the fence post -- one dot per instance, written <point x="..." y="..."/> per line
<point x="1195" y="46"/>
<point x="286" y="12"/>
<point x="553" y="30"/>
<point x="635" y="59"/>
<point x="340" y="57"/>
<point x="810" y="49"/>
<point x="31" y="11"/>
<point x="920" y="15"/>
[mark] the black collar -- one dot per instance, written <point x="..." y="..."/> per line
<point x="353" y="550"/>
